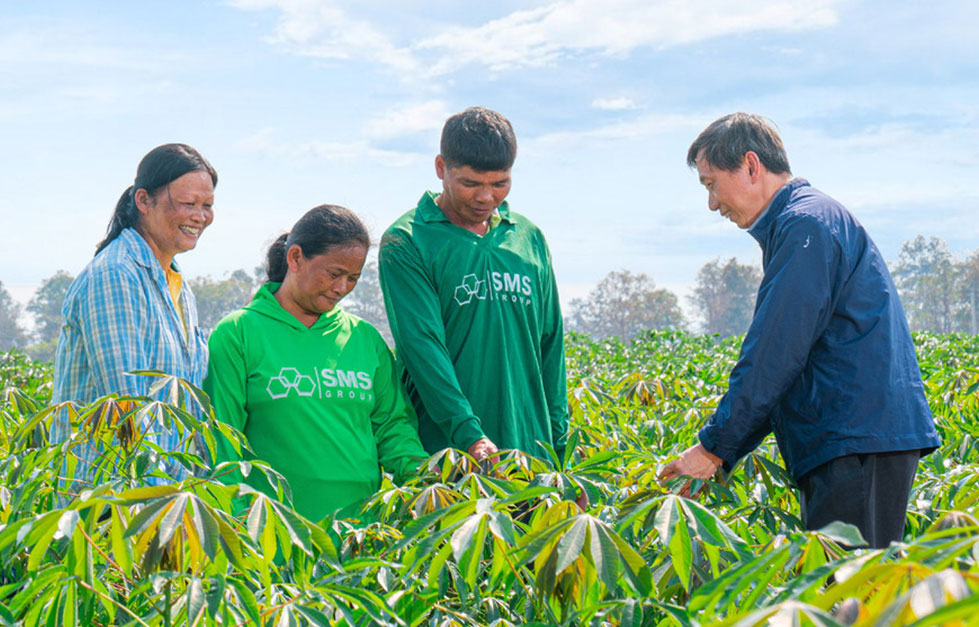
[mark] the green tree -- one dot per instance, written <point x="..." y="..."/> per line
<point x="367" y="301"/>
<point x="46" y="305"/>
<point x="968" y="272"/>
<point x="216" y="299"/>
<point x="623" y="304"/>
<point x="725" y="296"/>
<point x="925" y="276"/>
<point x="11" y="332"/>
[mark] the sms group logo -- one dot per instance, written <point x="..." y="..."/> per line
<point x="504" y="286"/>
<point x="332" y="383"/>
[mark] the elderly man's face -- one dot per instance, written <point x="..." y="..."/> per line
<point x="732" y="193"/>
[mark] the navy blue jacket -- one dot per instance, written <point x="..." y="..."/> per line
<point x="828" y="363"/>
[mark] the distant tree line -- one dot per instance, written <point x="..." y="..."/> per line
<point x="939" y="292"/>
<point x="215" y="299"/>
<point x="624" y="304"/>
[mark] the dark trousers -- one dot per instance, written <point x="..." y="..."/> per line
<point x="869" y="490"/>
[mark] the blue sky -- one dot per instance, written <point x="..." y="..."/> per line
<point x="301" y="102"/>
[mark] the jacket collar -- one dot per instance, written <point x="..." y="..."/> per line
<point x="429" y="211"/>
<point x="775" y="206"/>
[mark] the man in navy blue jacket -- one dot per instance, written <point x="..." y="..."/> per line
<point x="828" y="363"/>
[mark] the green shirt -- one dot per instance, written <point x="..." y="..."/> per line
<point x="323" y="405"/>
<point x="477" y="325"/>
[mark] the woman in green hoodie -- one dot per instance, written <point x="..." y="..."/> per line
<point x="313" y="388"/>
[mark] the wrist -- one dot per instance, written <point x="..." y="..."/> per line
<point x="717" y="461"/>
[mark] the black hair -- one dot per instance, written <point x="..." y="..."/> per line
<point x="160" y="167"/>
<point x="321" y="229"/>
<point x="726" y="141"/>
<point x="479" y="138"/>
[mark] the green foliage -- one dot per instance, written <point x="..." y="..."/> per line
<point x="465" y="544"/>
<point x="46" y="306"/>
<point x="725" y="296"/>
<point x="622" y="305"/>
<point x="12" y="333"/>
<point x="216" y="299"/>
<point x="939" y="292"/>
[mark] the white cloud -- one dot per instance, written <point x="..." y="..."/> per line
<point x="264" y="142"/>
<point x="321" y="28"/>
<point x="641" y="126"/>
<point x="70" y="47"/>
<point x="534" y="37"/>
<point x="538" y="37"/>
<point x="424" y="117"/>
<point x="613" y="104"/>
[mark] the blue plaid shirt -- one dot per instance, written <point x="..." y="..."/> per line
<point x="118" y="317"/>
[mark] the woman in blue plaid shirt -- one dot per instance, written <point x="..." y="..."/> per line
<point x="128" y="309"/>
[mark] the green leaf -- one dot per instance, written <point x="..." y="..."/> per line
<point x="120" y="547"/>
<point x="247" y="601"/>
<point x="195" y="599"/>
<point x="569" y="546"/>
<point x="207" y="528"/>
<point x="145" y="517"/>
<point x="603" y="553"/>
<point x="843" y="533"/>
<point x="257" y="517"/>
<point x="172" y="519"/>
<point x="67" y="522"/>
<point x="681" y="552"/>
<point x="462" y="538"/>
<point x="39" y="551"/>
<point x="666" y="518"/>
<point x="298" y="532"/>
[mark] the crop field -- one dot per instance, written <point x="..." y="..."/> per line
<point x="464" y="544"/>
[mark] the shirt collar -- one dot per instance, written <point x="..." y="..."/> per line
<point x="137" y="245"/>
<point x="774" y="207"/>
<point x="429" y="211"/>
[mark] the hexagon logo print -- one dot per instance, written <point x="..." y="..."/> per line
<point x="290" y="379"/>
<point x="470" y="288"/>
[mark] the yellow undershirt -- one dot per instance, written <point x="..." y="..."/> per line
<point x="175" y="284"/>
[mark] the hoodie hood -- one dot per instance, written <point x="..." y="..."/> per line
<point x="264" y="303"/>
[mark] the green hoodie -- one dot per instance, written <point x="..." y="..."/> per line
<point x="477" y="324"/>
<point x="322" y="405"/>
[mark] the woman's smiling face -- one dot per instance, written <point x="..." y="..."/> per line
<point x="175" y="216"/>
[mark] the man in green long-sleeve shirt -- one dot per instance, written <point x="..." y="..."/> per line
<point x="473" y="304"/>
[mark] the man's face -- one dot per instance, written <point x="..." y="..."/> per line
<point x="469" y="196"/>
<point x="732" y="193"/>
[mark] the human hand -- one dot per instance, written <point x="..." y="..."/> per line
<point x="695" y="462"/>
<point x="483" y="448"/>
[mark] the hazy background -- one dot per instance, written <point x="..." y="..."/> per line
<point x="301" y="102"/>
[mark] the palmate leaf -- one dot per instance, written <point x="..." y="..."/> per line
<point x="603" y="553"/>
<point x="927" y="596"/>
<point x="788" y="613"/>
<point x="146" y="516"/>
<point x="582" y="545"/>
<point x="961" y="612"/>
<point x="740" y="587"/>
